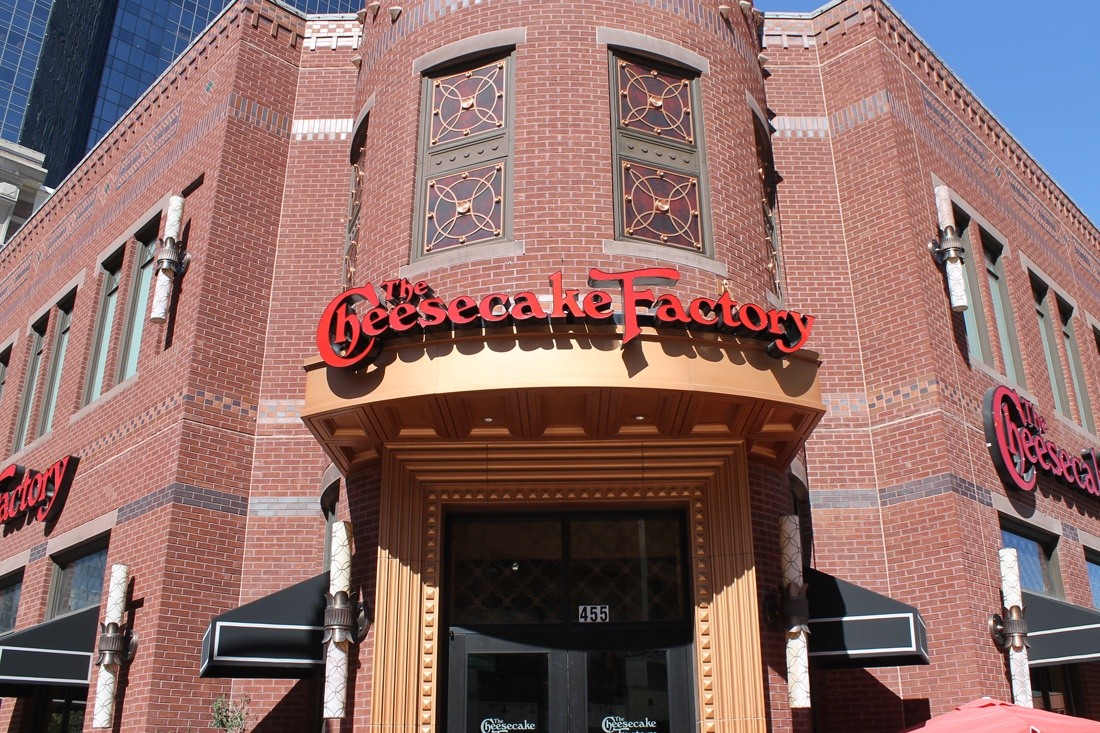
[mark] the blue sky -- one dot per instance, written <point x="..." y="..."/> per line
<point x="1033" y="65"/>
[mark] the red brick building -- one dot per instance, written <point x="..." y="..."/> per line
<point x="605" y="291"/>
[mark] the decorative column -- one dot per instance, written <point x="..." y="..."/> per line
<point x="796" y="612"/>
<point x="113" y="646"/>
<point x="1013" y="628"/>
<point x="340" y="623"/>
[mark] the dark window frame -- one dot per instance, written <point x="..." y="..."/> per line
<point x="145" y="242"/>
<point x="22" y="435"/>
<point x="99" y="368"/>
<point x="64" y="560"/>
<point x="986" y="282"/>
<point x="51" y="382"/>
<point x="1074" y="367"/>
<point x="12" y="580"/>
<point x="1048" y="545"/>
<point x="5" y="365"/>
<point x="1042" y="682"/>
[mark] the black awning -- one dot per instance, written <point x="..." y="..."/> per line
<point x="1060" y="632"/>
<point x="854" y="627"/>
<point x="275" y="636"/>
<point x="56" y="652"/>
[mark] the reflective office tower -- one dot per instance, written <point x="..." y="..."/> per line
<point x="70" y="68"/>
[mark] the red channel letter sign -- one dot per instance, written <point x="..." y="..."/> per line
<point x="1014" y="434"/>
<point x="29" y="495"/>
<point x="357" y="321"/>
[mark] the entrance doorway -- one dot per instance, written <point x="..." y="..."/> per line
<point x="568" y="623"/>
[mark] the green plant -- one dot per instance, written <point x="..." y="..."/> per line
<point x="230" y="716"/>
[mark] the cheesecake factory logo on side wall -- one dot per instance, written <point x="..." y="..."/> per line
<point x="27" y="495"/>
<point x="357" y="322"/>
<point x="1014" y="434"/>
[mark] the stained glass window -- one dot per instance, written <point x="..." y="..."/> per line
<point x="466" y="156"/>
<point x="79" y="582"/>
<point x="658" y="172"/>
<point x="1034" y="558"/>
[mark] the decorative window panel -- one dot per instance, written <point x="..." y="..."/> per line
<point x="468" y="103"/>
<point x="464" y="185"/>
<point x="655" y="102"/>
<point x="661" y="206"/>
<point x="660" y="189"/>
<point x="464" y="207"/>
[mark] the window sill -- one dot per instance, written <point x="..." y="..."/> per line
<point x="103" y="398"/>
<point x="461" y="256"/>
<point x="622" y="248"/>
<point x="1074" y="427"/>
<point x="981" y="366"/>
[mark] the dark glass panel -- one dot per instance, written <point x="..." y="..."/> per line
<point x="628" y="692"/>
<point x="507" y="692"/>
<point x="633" y="566"/>
<point x="81" y="582"/>
<point x="506" y="572"/>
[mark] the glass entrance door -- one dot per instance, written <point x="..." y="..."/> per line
<point x="568" y="624"/>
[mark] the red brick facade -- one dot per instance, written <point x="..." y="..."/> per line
<point x="200" y="468"/>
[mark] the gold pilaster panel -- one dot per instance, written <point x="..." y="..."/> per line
<point x="708" y="479"/>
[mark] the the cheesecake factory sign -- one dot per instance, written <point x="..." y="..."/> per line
<point x="27" y="495"/>
<point x="357" y="322"/>
<point x="1015" y="436"/>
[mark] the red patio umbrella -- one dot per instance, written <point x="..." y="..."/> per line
<point x="994" y="716"/>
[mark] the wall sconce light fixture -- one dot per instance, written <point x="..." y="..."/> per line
<point x="949" y="250"/>
<point x="171" y="261"/>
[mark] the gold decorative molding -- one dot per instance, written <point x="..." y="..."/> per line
<point x="707" y="479"/>
<point x="564" y="382"/>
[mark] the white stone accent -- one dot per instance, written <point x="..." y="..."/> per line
<point x="322" y="129"/>
<point x="333" y="34"/>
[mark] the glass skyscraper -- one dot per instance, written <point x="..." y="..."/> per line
<point x="22" y="29"/>
<point x="70" y="68"/>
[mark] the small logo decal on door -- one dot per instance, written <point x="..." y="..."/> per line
<point x="496" y="725"/>
<point x="617" y="724"/>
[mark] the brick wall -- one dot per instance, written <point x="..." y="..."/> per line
<point x="900" y="479"/>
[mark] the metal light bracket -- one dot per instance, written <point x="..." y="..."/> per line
<point x="1009" y="630"/>
<point x="788" y="609"/>
<point x="947" y="247"/>
<point x="171" y="257"/>
<point x="117" y="645"/>
<point x="345" y="620"/>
